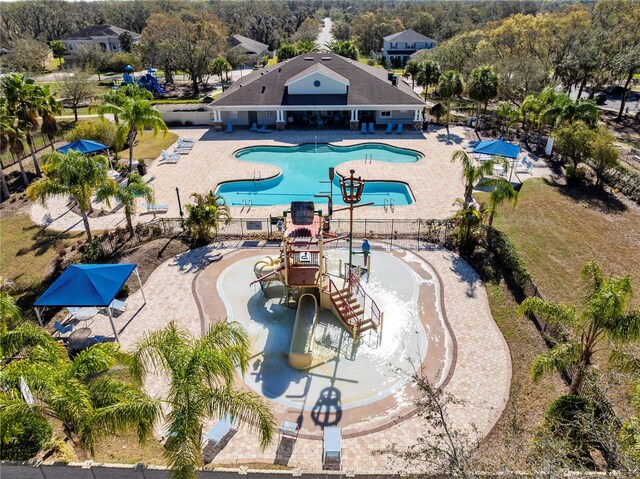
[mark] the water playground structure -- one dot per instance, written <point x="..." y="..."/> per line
<point x="302" y="269"/>
<point x="147" y="80"/>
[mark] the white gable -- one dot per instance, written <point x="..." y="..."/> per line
<point x="317" y="80"/>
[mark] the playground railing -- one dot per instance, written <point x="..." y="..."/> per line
<point x="365" y="300"/>
<point x="346" y="313"/>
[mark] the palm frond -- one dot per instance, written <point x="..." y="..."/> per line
<point x="28" y="336"/>
<point x="249" y="408"/>
<point x="557" y="358"/>
<point x="557" y="314"/>
<point x="96" y="360"/>
<point x="592" y="276"/>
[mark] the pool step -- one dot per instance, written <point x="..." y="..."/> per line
<point x="365" y="325"/>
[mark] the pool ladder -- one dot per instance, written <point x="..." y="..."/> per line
<point x="368" y="158"/>
<point x="389" y="203"/>
<point x="258" y="178"/>
<point x="247" y="203"/>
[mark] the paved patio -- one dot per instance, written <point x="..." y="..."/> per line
<point x="434" y="181"/>
<point x="481" y="377"/>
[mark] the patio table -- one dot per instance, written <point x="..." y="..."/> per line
<point x="83" y="314"/>
<point x="289" y="428"/>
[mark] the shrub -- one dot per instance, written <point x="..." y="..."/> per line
<point x="21" y="441"/>
<point x="124" y="291"/>
<point x="92" y="252"/>
<point x="102" y="130"/>
<point x="371" y="62"/>
<point x="118" y="61"/>
<point x="575" y="175"/>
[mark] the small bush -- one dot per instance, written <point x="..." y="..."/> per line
<point x="25" y="439"/>
<point x="118" y="61"/>
<point x="124" y="292"/>
<point x="92" y="252"/>
<point x="371" y="62"/>
<point x="575" y="175"/>
<point x="103" y="131"/>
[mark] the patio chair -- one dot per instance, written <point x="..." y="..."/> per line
<point x="372" y="128"/>
<point x="118" y="305"/>
<point x="186" y="139"/>
<point x="363" y="128"/>
<point x="61" y="328"/>
<point x="331" y="448"/>
<point x="217" y="437"/>
<point x="229" y="128"/>
<point x="254" y="127"/>
<point x="181" y="151"/>
<point x="156" y="209"/>
<point x="399" y="130"/>
<point x="389" y="128"/>
<point x="169" y="160"/>
<point x="263" y="129"/>
<point x="320" y="123"/>
<point x="524" y="167"/>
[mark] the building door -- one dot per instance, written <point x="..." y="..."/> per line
<point x="253" y="117"/>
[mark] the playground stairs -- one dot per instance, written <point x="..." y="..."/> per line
<point x="350" y="311"/>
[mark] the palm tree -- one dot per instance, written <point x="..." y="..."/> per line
<point x="468" y="218"/>
<point x="126" y="195"/>
<point x="344" y="48"/>
<point x="220" y="67"/>
<point x="412" y="70"/>
<point x="483" y="86"/>
<point x="74" y="174"/>
<point x="134" y="115"/>
<point x="48" y="109"/>
<point x="205" y="215"/>
<point x="7" y="140"/>
<point x="508" y="117"/>
<point x="91" y="394"/>
<point x="428" y="75"/>
<point x="307" y="46"/>
<point x="471" y="172"/>
<point x="450" y="85"/>
<point x="502" y="190"/>
<point x="605" y="317"/>
<point x="23" y="101"/>
<point x="10" y="313"/>
<point x="201" y="375"/>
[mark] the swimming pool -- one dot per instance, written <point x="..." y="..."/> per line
<point x="306" y="167"/>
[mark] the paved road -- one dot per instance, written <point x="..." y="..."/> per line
<point x="325" y="33"/>
<point x="612" y="103"/>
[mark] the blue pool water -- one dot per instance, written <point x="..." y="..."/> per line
<point x="305" y="167"/>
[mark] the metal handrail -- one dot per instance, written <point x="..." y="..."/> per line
<point x="351" y="324"/>
<point x="375" y="314"/>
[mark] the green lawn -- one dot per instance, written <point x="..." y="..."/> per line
<point x="558" y="229"/>
<point x="148" y="147"/>
<point x="27" y="250"/>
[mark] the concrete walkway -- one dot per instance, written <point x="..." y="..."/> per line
<point x="481" y="378"/>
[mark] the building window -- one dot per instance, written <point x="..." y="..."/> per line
<point x="72" y="46"/>
<point x="233" y="115"/>
<point x="411" y="46"/>
<point x="385" y="114"/>
<point x="316" y="83"/>
<point x="114" y="47"/>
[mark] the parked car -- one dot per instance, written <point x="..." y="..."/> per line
<point x="600" y="98"/>
<point x="614" y="90"/>
<point x="633" y="96"/>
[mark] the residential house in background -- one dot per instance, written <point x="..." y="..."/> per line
<point x="253" y="49"/>
<point x="318" y="90"/>
<point x="106" y="37"/>
<point x="398" y="47"/>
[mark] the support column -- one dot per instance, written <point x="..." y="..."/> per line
<point x="144" y="300"/>
<point x="281" y="121"/>
<point x="417" y="120"/>
<point x="113" y="326"/>
<point x="217" y="120"/>
<point x="39" y="316"/>
<point x="354" y="123"/>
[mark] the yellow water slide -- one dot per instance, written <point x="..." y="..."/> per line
<point x="301" y="349"/>
<point x="266" y="266"/>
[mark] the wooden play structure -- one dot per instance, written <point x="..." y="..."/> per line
<point x="301" y="268"/>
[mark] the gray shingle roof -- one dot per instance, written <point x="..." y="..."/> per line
<point x="367" y="85"/>
<point x="318" y="67"/>
<point x="408" y="36"/>
<point x="251" y="46"/>
<point x="99" y="31"/>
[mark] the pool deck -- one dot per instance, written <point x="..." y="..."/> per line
<point x="481" y="377"/>
<point x="435" y="182"/>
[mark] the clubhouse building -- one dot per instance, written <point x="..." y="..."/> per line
<point x="318" y="90"/>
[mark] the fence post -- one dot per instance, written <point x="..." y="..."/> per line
<point x="391" y="243"/>
<point x="241" y="229"/>
<point x="270" y="227"/>
<point x="419" y="234"/>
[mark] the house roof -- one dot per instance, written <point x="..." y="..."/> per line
<point x="407" y="36"/>
<point x="250" y="45"/>
<point x="367" y="85"/>
<point x="317" y="68"/>
<point x="97" y="31"/>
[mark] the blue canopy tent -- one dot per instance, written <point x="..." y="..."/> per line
<point x="83" y="146"/>
<point x="499" y="148"/>
<point x="88" y="285"/>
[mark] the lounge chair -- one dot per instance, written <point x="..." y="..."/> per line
<point x="117" y="305"/>
<point x="372" y="128"/>
<point x="61" y="328"/>
<point x="524" y="167"/>
<point x="156" y="209"/>
<point x="181" y="151"/>
<point x="399" y="130"/>
<point x="331" y="448"/>
<point x="186" y="139"/>
<point x="363" y="128"/>
<point x="254" y="127"/>
<point x="184" y="146"/>
<point x="389" y="128"/>
<point x="217" y="437"/>
<point x="170" y="160"/>
<point x="229" y="128"/>
<point x="263" y="129"/>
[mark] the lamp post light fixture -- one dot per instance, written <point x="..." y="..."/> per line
<point x="351" y="188"/>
